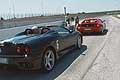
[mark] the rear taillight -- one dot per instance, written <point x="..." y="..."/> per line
<point x="23" y="50"/>
<point x="98" y="25"/>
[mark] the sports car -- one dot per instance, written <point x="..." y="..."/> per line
<point x="92" y="25"/>
<point x="32" y="51"/>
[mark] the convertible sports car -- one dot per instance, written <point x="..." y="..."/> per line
<point x="31" y="51"/>
<point x="92" y="26"/>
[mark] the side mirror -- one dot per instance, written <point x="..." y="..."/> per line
<point x="71" y="31"/>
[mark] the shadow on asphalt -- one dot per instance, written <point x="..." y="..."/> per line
<point x="60" y="66"/>
<point x="96" y="34"/>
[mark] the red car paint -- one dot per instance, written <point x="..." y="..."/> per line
<point x="91" y="25"/>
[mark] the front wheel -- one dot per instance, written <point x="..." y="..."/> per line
<point x="48" y="60"/>
<point x="102" y="31"/>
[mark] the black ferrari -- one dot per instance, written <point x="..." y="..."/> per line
<point x="30" y="51"/>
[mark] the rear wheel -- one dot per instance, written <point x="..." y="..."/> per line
<point x="48" y="60"/>
<point x="102" y="31"/>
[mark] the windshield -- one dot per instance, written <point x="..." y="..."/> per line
<point x="90" y="21"/>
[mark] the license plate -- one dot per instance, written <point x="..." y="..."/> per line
<point x="87" y="29"/>
<point x="4" y="60"/>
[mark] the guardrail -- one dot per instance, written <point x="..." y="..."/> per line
<point x="27" y="21"/>
<point x="41" y="19"/>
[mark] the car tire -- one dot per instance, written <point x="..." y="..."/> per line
<point x="48" y="60"/>
<point x="79" y="42"/>
<point x="102" y="31"/>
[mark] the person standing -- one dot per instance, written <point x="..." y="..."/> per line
<point x="72" y="21"/>
<point x="68" y="21"/>
<point x="72" y="24"/>
<point x="1" y="22"/>
<point x="1" y="18"/>
<point x="76" y="21"/>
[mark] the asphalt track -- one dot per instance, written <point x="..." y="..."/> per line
<point x="72" y="66"/>
<point x="95" y="43"/>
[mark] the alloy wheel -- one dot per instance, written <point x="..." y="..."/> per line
<point x="49" y="60"/>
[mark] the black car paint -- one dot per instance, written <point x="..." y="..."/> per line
<point x="39" y="43"/>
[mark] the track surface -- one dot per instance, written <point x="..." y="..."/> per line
<point x="107" y="65"/>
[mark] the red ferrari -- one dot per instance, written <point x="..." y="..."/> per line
<point x="92" y="26"/>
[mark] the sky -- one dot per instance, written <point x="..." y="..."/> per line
<point x="56" y="6"/>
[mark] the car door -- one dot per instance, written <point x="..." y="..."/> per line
<point x="66" y="38"/>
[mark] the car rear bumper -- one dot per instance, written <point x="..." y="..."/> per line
<point x="89" y="30"/>
<point x="21" y="62"/>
